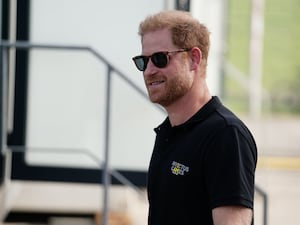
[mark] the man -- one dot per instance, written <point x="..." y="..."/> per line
<point x="204" y="158"/>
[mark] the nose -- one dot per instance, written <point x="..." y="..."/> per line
<point x="150" y="69"/>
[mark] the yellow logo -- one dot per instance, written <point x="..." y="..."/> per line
<point x="178" y="168"/>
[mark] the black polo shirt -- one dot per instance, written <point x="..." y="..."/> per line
<point x="207" y="162"/>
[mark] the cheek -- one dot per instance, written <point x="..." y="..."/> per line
<point x="184" y="74"/>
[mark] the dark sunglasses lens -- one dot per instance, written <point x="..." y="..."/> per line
<point x="160" y="59"/>
<point x="141" y="62"/>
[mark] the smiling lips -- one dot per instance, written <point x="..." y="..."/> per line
<point x="155" y="84"/>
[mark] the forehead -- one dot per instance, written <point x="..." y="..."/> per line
<point x="158" y="40"/>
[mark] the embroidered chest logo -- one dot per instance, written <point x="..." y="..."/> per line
<point x="179" y="169"/>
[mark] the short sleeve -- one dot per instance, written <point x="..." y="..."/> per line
<point x="230" y="165"/>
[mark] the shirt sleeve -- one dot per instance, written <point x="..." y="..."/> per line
<point x="230" y="165"/>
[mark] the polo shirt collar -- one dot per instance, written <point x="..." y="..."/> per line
<point x="201" y="115"/>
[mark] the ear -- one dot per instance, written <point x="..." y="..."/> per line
<point x="196" y="56"/>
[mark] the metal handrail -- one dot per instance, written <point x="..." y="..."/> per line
<point x="121" y="178"/>
<point x="6" y="45"/>
<point x="99" y="163"/>
<point x="28" y="45"/>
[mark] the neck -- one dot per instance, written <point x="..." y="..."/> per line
<point x="185" y="107"/>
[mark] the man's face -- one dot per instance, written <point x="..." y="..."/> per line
<point x="165" y="85"/>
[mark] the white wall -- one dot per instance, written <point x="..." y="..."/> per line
<point x="67" y="89"/>
<point x="212" y="13"/>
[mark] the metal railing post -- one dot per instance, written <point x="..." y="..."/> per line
<point x="6" y="167"/>
<point x="3" y="91"/>
<point x="105" y="169"/>
<point x="1" y="98"/>
<point x="265" y="204"/>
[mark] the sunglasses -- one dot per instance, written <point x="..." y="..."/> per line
<point x="159" y="59"/>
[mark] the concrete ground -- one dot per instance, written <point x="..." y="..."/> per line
<point x="282" y="187"/>
<point x="278" y="169"/>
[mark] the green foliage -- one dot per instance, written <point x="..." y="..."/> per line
<point x="281" y="59"/>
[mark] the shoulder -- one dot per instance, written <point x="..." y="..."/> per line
<point x="226" y="123"/>
<point x="228" y="133"/>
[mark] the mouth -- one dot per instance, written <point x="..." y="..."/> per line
<point x="155" y="83"/>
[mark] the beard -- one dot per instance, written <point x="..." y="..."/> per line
<point x="173" y="90"/>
